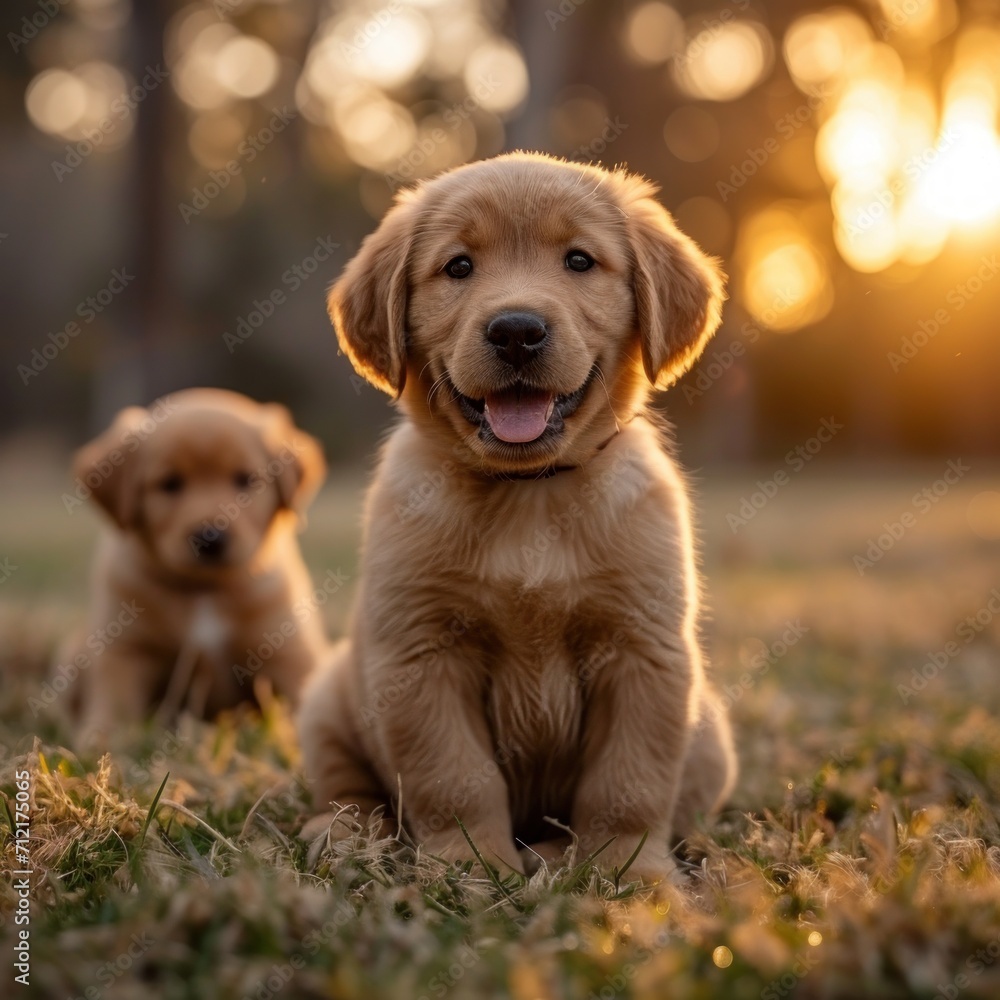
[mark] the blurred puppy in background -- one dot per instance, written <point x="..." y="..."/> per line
<point x="198" y="587"/>
<point x="525" y="640"/>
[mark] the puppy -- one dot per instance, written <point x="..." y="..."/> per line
<point x="198" y="586"/>
<point x="524" y="644"/>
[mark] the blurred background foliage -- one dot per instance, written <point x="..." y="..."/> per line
<point x="174" y="175"/>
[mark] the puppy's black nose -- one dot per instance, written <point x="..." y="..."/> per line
<point x="209" y="544"/>
<point x="517" y="336"/>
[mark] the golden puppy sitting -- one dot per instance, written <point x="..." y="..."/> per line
<point x="525" y="639"/>
<point x="204" y="491"/>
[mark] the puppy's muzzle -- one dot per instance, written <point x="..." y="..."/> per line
<point x="209" y="545"/>
<point x="517" y="337"/>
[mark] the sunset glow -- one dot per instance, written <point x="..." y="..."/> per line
<point x="906" y="165"/>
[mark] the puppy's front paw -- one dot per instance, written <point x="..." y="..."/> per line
<point x="550" y="853"/>
<point x="328" y="825"/>
<point x="455" y="849"/>
<point x="652" y="871"/>
<point x="346" y="822"/>
<point x="346" y="829"/>
<point x="654" y="863"/>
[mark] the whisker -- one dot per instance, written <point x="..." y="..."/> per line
<point x="437" y="383"/>
<point x="611" y="406"/>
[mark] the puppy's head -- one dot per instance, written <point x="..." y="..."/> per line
<point x="202" y="477"/>
<point x="527" y="304"/>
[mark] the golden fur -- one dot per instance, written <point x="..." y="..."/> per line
<point x="203" y="490"/>
<point x="524" y="643"/>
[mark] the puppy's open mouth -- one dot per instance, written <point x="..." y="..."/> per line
<point x="522" y="413"/>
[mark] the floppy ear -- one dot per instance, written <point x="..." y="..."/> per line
<point x="368" y="302"/>
<point x="300" y="455"/>
<point x="678" y="290"/>
<point x="107" y="467"/>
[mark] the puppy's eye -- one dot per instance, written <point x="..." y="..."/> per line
<point x="242" y="479"/>
<point x="172" y="483"/>
<point x="577" y="260"/>
<point x="458" y="267"/>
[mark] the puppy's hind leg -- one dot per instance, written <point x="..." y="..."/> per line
<point x="336" y="768"/>
<point x="709" y="767"/>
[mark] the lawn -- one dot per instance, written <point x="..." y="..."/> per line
<point x="860" y="855"/>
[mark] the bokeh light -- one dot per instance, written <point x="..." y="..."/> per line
<point x="198" y="38"/>
<point x="377" y="130"/>
<point x="497" y="76"/>
<point x="905" y="167"/>
<point x="213" y="136"/>
<point x="722" y="957"/>
<point x="962" y="185"/>
<point x="360" y="77"/>
<point x="653" y="33"/>
<point x="723" y="61"/>
<point x="983" y="515"/>
<point x="56" y="100"/>
<point x="785" y="278"/>
<point x="707" y="222"/>
<point x="577" y="115"/>
<point x="83" y="104"/>
<point x="103" y="15"/>
<point x="691" y="134"/>
<point x="916" y="22"/>
<point x="386" y="48"/>
<point x="246" y="66"/>
<point x="900" y="126"/>
<point x="822" y="47"/>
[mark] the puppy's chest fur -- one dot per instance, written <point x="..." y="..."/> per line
<point x="202" y="639"/>
<point x="546" y="573"/>
<point x="535" y="702"/>
<point x="542" y="575"/>
<point x="208" y="635"/>
<point x="208" y="629"/>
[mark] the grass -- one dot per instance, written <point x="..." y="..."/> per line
<point x="860" y="856"/>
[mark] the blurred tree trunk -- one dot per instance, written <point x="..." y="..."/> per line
<point x="136" y="365"/>
<point x="546" y="52"/>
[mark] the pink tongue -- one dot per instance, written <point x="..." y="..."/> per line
<point x="518" y="417"/>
